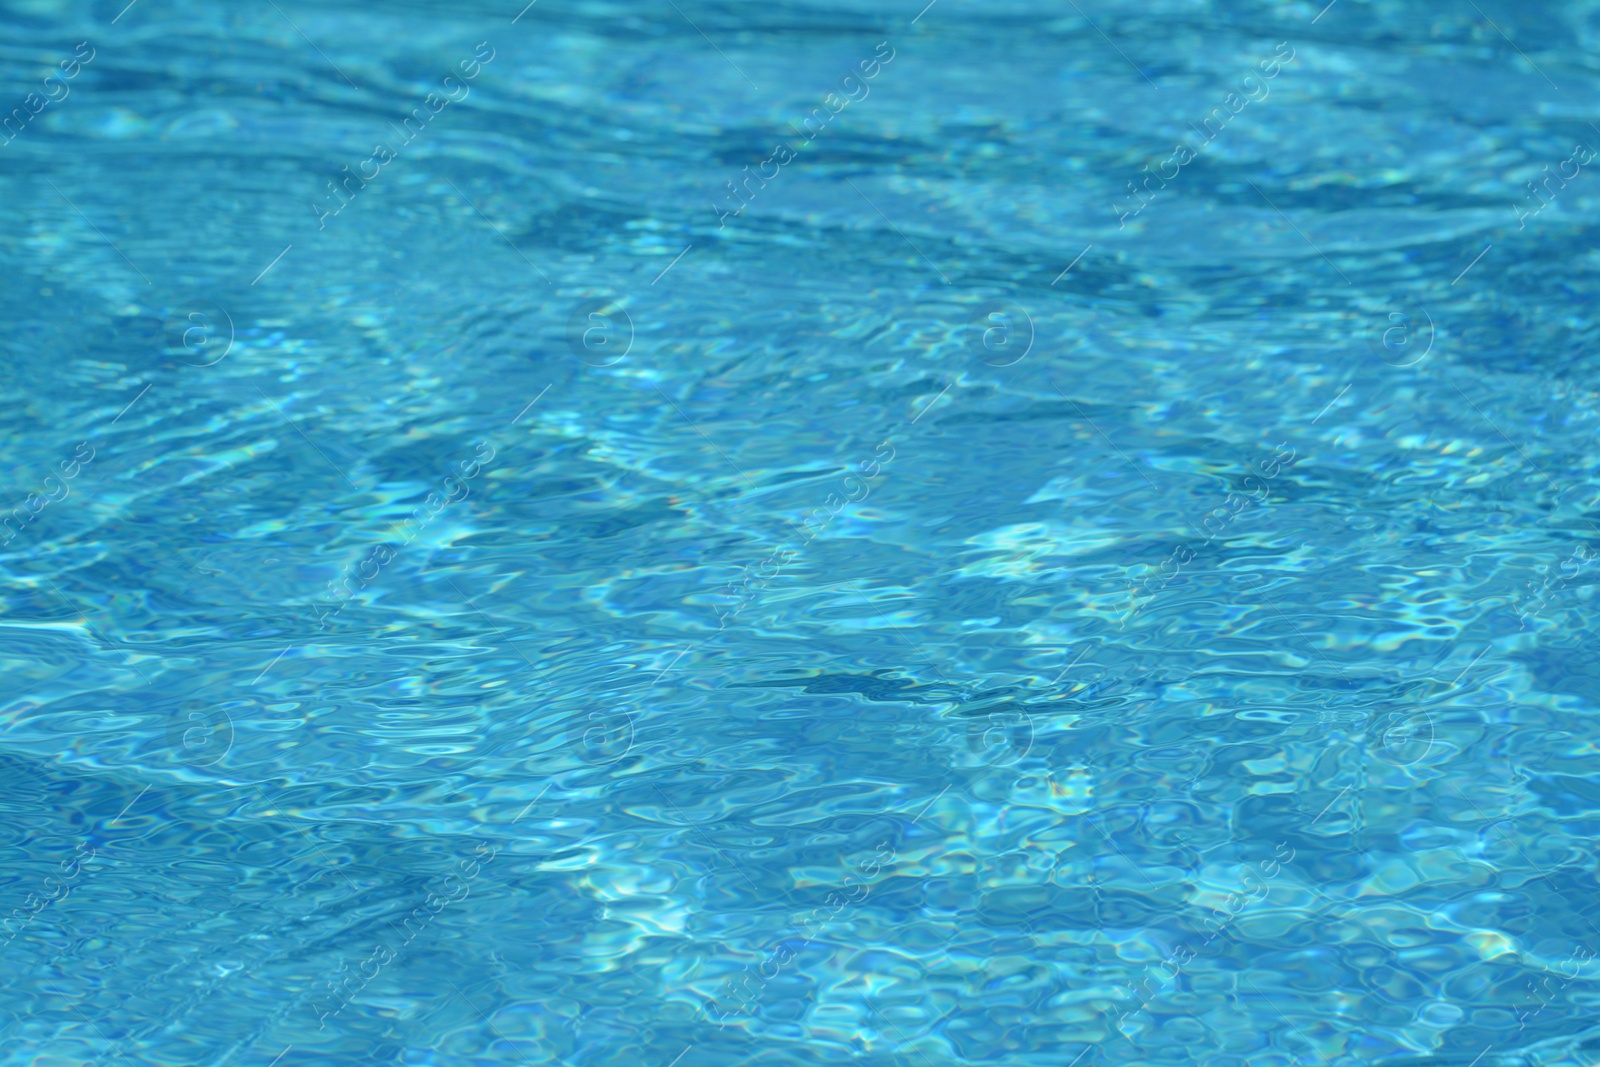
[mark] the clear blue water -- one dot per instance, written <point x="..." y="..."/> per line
<point x="702" y="534"/>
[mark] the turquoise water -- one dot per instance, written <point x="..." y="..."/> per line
<point x="697" y="534"/>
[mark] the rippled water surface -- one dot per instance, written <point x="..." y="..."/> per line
<point x="694" y="533"/>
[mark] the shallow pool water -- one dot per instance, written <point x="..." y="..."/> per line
<point x="687" y="534"/>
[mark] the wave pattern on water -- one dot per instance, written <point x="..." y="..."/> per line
<point x="798" y="534"/>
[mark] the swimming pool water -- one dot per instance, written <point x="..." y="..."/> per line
<point x="691" y="533"/>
